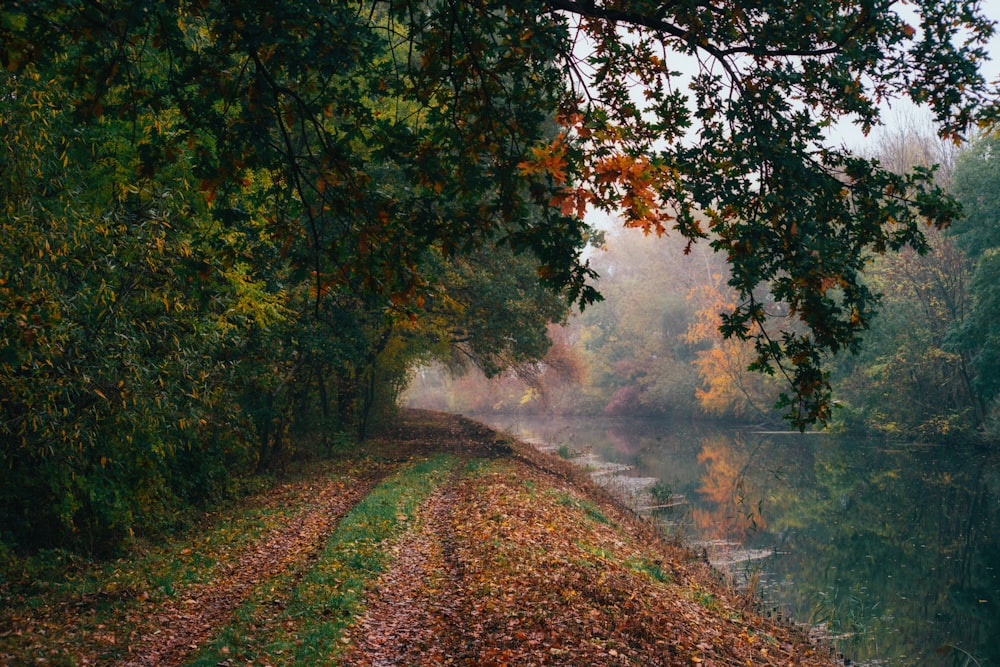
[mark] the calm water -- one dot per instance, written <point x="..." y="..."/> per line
<point x="892" y="549"/>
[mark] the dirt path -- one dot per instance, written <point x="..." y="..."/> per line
<point x="413" y="614"/>
<point x="181" y="625"/>
<point x="420" y="611"/>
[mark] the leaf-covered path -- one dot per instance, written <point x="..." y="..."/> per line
<point x="159" y="606"/>
<point x="182" y="624"/>
<point x="440" y="543"/>
<point x="411" y="615"/>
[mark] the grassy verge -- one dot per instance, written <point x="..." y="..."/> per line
<point x="300" y="617"/>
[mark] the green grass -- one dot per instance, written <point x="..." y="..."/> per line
<point x="321" y="603"/>
<point x="652" y="569"/>
<point x="661" y="492"/>
<point x="586" y="506"/>
<point x="706" y="599"/>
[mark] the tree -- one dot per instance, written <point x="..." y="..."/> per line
<point x="637" y="362"/>
<point x="977" y="175"/>
<point x="911" y="378"/>
<point x="457" y="100"/>
<point x="785" y="209"/>
<point x="488" y="313"/>
<point x="728" y="388"/>
<point x="977" y="185"/>
<point x="123" y="311"/>
<point x="179" y="304"/>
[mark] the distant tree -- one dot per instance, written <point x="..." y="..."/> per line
<point x="907" y="141"/>
<point x="728" y="388"/>
<point x="911" y="377"/>
<point x="977" y="185"/>
<point x="638" y="362"/>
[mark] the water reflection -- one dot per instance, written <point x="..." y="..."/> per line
<point x="727" y="510"/>
<point x="893" y="550"/>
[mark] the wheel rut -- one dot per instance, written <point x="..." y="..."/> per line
<point x="413" y="617"/>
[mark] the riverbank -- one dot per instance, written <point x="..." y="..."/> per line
<point x="438" y="542"/>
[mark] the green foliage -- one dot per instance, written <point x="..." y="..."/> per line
<point x="976" y="179"/>
<point x="909" y="379"/>
<point x="661" y="491"/>
<point x="983" y="325"/>
<point x="706" y="599"/>
<point x="217" y="243"/>
<point x="920" y="371"/>
<point x="652" y="569"/>
<point x="586" y="506"/>
<point x="977" y="184"/>
<point x="118" y="330"/>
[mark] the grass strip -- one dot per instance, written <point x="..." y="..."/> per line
<point x="302" y="624"/>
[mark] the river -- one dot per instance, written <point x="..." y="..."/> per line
<point x="891" y="549"/>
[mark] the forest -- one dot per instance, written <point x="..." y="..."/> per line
<point x="233" y="232"/>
